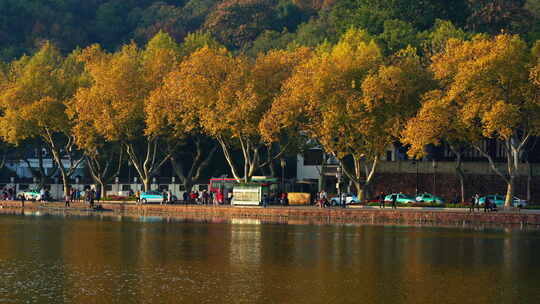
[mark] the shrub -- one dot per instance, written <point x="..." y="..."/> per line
<point x="118" y="198"/>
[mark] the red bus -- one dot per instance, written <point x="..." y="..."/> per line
<point x="221" y="187"/>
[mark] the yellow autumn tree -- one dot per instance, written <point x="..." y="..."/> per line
<point x="33" y="100"/>
<point x="489" y="81"/>
<point x="190" y="149"/>
<point x="226" y="97"/>
<point x="349" y="101"/>
<point x="114" y="102"/>
<point x="436" y="123"/>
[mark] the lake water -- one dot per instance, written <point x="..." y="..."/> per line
<point x="118" y="259"/>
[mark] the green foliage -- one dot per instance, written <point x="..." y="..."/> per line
<point x="398" y="34"/>
<point x="271" y="40"/>
<point x="255" y="25"/>
<point x="197" y="40"/>
<point x="434" y="41"/>
<point x="372" y="14"/>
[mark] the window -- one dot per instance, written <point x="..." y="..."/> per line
<point x="108" y="187"/>
<point x="126" y="187"/>
<point x="313" y="157"/>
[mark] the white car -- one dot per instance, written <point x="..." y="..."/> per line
<point x="349" y="199"/>
<point x="30" y="195"/>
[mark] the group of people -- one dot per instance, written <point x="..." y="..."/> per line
<point x="88" y="195"/>
<point x="274" y="199"/>
<point x="489" y="206"/>
<point x="321" y="199"/>
<point x="8" y="194"/>
<point x="382" y="201"/>
<point x="204" y="197"/>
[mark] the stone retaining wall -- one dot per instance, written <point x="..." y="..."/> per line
<point x="371" y="215"/>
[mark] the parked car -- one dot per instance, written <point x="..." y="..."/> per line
<point x="349" y="199"/>
<point x="499" y="200"/>
<point x="429" y="198"/>
<point x="151" y="197"/>
<point x="401" y="198"/>
<point x="30" y="195"/>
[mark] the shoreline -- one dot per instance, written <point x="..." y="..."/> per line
<point x="374" y="215"/>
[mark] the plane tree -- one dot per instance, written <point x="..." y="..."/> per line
<point x="34" y="97"/>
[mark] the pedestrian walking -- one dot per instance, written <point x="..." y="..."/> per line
<point x="284" y="199"/>
<point x="71" y="194"/>
<point x="164" y="197"/>
<point x="394" y="201"/>
<point x="67" y="199"/>
<point x="265" y="200"/>
<point x="169" y="197"/>
<point x="92" y="195"/>
<point x="205" y="197"/>
<point x="138" y="196"/>
<point x="185" y="197"/>
<point x="381" y="200"/>
<point x="213" y="198"/>
<point x="220" y="198"/>
<point x="474" y="202"/>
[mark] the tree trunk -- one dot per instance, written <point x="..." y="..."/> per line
<point x="200" y="161"/>
<point x="460" y="174"/>
<point x="188" y="185"/>
<point x="360" y="191"/>
<point x="462" y="187"/>
<point x="147" y="186"/>
<point x="147" y="166"/>
<point x="65" y="181"/>
<point x="58" y="159"/>
<point x="103" y="190"/>
<point x="529" y="180"/>
<point x="509" y="192"/>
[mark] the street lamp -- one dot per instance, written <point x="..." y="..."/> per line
<point x="338" y="185"/>
<point x="129" y="170"/>
<point x="415" y="162"/>
<point x="283" y="163"/>
<point x="434" y="164"/>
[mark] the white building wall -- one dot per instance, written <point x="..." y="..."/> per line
<point x="306" y="172"/>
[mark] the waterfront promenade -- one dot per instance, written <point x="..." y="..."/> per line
<point x="408" y="215"/>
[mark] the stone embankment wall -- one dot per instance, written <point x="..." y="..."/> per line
<point x="370" y="215"/>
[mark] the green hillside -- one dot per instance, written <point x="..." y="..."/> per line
<point x="250" y="25"/>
